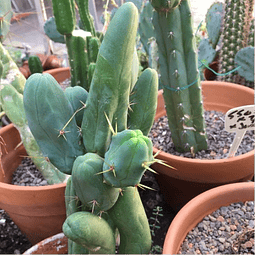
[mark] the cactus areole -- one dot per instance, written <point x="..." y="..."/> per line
<point x="179" y="74"/>
<point x="94" y="137"/>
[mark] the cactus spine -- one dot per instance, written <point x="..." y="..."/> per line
<point x="179" y="69"/>
<point x="235" y="35"/>
<point x="105" y="170"/>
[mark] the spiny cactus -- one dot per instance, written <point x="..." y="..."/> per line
<point x="108" y="155"/>
<point x="235" y="35"/>
<point x="12" y="85"/>
<point x="179" y="74"/>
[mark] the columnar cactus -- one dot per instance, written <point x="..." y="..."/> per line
<point x="107" y="155"/>
<point x="235" y="35"/>
<point x="82" y="46"/>
<point x="12" y="84"/>
<point x="179" y="74"/>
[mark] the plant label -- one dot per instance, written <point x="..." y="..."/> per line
<point x="239" y="120"/>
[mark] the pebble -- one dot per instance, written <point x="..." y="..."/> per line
<point x="221" y="231"/>
<point x="219" y="140"/>
<point x="28" y="175"/>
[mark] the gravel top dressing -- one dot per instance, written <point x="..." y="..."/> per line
<point x="219" y="140"/>
<point x="228" y="230"/>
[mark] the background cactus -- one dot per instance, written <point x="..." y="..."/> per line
<point x="235" y="36"/>
<point x="101" y="194"/>
<point x="5" y="18"/>
<point x="12" y="84"/>
<point x="82" y="44"/>
<point x="179" y="74"/>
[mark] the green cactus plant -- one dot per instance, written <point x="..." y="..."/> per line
<point x="12" y="84"/>
<point x="109" y="153"/>
<point x="35" y="64"/>
<point x="179" y="74"/>
<point x="82" y="44"/>
<point x="235" y="36"/>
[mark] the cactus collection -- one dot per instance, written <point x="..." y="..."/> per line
<point x="99" y="137"/>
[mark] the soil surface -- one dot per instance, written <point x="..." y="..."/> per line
<point x="158" y="212"/>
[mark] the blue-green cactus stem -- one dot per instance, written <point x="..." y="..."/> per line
<point x="110" y="86"/>
<point x="143" y="101"/>
<point x="74" y="248"/>
<point x="86" y="18"/>
<point x="129" y="216"/>
<point x="146" y="29"/>
<point x="191" y="62"/>
<point x="90" y="231"/>
<point x="50" y="118"/>
<point x="126" y="160"/>
<point x="77" y="96"/>
<point x="72" y="201"/>
<point x="91" y="70"/>
<point x="78" y="60"/>
<point x="51" y="31"/>
<point x="12" y="104"/>
<point x="213" y="19"/>
<point x="89" y="185"/>
<point x="178" y="69"/>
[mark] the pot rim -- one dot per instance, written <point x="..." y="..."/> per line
<point x="17" y="188"/>
<point x="206" y="161"/>
<point x="51" y="239"/>
<point x="200" y="206"/>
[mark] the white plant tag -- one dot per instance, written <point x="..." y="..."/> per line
<point x="239" y="120"/>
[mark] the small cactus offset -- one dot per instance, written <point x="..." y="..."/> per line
<point x="235" y="36"/>
<point x="179" y="74"/>
<point x="108" y="153"/>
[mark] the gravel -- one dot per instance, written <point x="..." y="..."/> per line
<point x="219" y="140"/>
<point x="12" y="241"/>
<point x="228" y="230"/>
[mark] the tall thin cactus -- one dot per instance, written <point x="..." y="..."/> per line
<point x="179" y="74"/>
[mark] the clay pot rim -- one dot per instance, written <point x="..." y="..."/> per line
<point x="48" y="240"/>
<point x="206" y="161"/>
<point x="207" y="202"/>
<point x="8" y="186"/>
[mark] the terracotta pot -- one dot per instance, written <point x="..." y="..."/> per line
<point x="193" y="176"/>
<point x="39" y="212"/>
<point x="202" y="205"/>
<point x="208" y="74"/>
<point x="57" y="244"/>
<point x="60" y="74"/>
